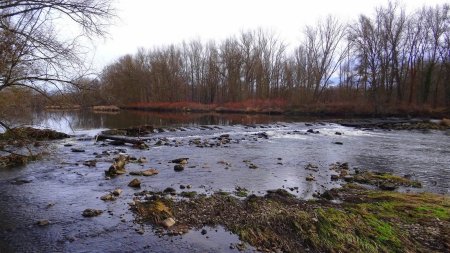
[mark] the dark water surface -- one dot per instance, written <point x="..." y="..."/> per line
<point x="60" y="187"/>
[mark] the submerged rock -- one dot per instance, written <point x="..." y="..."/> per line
<point x="150" y="172"/>
<point x="136" y="183"/>
<point x="117" y="192"/>
<point x="91" y="212"/>
<point x="43" y="223"/>
<point x="78" y="150"/>
<point x="108" y="197"/>
<point x="183" y="160"/>
<point x="170" y="190"/>
<point x="178" y="167"/>
<point x="90" y="163"/>
<point x="310" y="178"/>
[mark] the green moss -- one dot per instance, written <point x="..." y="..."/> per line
<point x="384" y="179"/>
<point x="433" y="211"/>
<point x="366" y="221"/>
<point x="241" y="192"/>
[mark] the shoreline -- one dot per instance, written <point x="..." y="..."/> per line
<point x="315" y="112"/>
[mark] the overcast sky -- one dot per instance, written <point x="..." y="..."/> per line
<point x="153" y="23"/>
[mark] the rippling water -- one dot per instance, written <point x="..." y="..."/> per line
<point x="60" y="187"/>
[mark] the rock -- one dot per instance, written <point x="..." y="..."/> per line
<point x="263" y="135"/>
<point x="43" y="223"/>
<point x="108" y="197"/>
<point x="182" y="187"/>
<point x="310" y="178"/>
<point x="150" y="172"/>
<point x="334" y="177"/>
<point x="167" y="223"/>
<point x="310" y="131"/>
<point x="338" y="133"/>
<point x="136" y="173"/>
<point x="90" y="163"/>
<point x="142" y="160"/>
<point x="348" y="178"/>
<point x="388" y="186"/>
<point x="204" y="232"/>
<point x="91" y="212"/>
<point x="330" y="195"/>
<point x="77" y="150"/>
<point x="136" y="183"/>
<point x="338" y="143"/>
<point x="21" y="181"/>
<point x="170" y="190"/>
<point x="182" y="160"/>
<point x="252" y="166"/>
<point x="312" y="167"/>
<point x="117" y="192"/>
<point x="178" y="167"/>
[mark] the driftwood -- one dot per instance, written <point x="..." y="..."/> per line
<point x="101" y="137"/>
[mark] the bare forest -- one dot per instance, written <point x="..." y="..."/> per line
<point x="389" y="59"/>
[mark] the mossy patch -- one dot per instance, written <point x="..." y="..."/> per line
<point x="365" y="221"/>
<point x="384" y="180"/>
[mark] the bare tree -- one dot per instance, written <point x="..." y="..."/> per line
<point x="33" y="54"/>
<point x="323" y="52"/>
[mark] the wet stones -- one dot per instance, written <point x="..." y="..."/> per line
<point x="183" y="160"/>
<point x="112" y="195"/>
<point x="91" y="212"/>
<point x="118" y="167"/>
<point x="77" y="150"/>
<point x="178" y="167"/>
<point x="167" y="223"/>
<point x="311" y="131"/>
<point x="90" y="163"/>
<point x="262" y="135"/>
<point x="135" y="183"/>
<point x="117" y="192"/>
<point x="312" y="167"/>
<point x="43" y="223"/>
<point x="310" y="178"/>
<point x="250" y="164"/>
<point x="150" y="172"/>
<point x="108" y="197"/>
<point x="146" y="173"/>
<point x="170" y="190"/>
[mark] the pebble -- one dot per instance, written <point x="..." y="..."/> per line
<point x="136" y="183"/>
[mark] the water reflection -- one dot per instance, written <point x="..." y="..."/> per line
<point x="85" y="119"/>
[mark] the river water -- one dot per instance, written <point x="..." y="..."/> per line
<point x="59" y="187"/>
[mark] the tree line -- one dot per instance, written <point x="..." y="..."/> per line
<point x="388" y="58"/>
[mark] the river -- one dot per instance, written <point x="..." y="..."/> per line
<point x="59" y="187"/>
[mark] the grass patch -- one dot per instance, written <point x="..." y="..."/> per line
<point x="366" y="220"/>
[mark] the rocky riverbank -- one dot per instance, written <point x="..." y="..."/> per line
<point x="353" y="218"/>
<point x="207" y="188"/>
